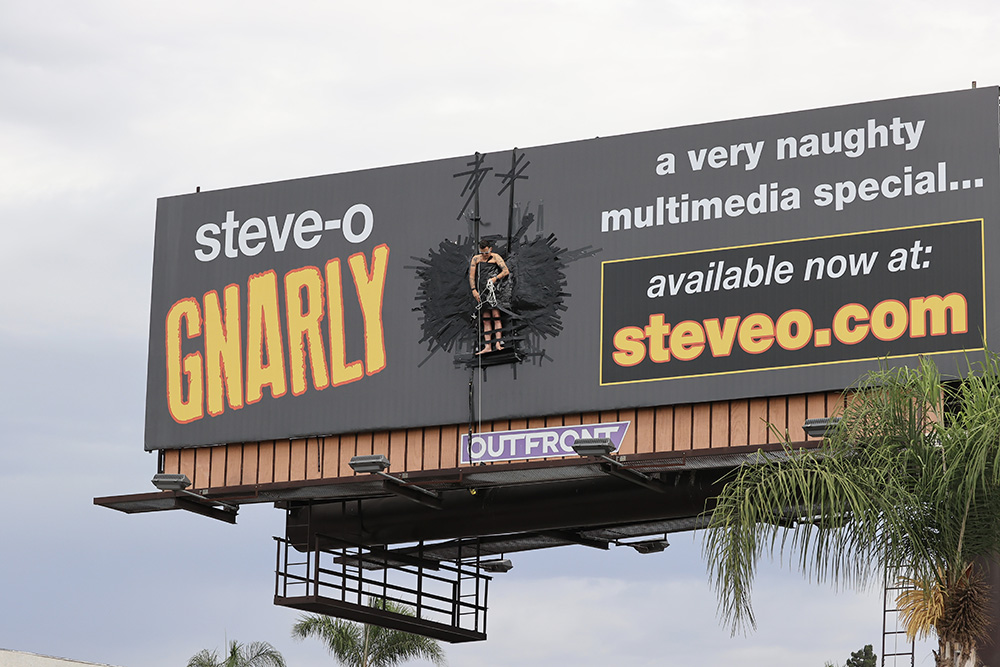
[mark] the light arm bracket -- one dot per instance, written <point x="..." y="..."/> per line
<point x="599" y="448"/>
<point x="378" y="463"/>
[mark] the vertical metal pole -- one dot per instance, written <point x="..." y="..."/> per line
<point x="479" y="578"/>
<point x="420" y="580"/>
<point x="510" y="206"/>
<point x="385" y="577"/>
<point x="361" y="582"/>
<point x="486" y="597"/>
<point x="475" y="201"/>
<point x="277" y="567"/>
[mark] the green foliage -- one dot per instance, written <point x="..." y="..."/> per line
<point x="911" y="477"/>
<point x="362" y="645"/>
<point x="864" y="658"/>
<point x="255" y="654"/>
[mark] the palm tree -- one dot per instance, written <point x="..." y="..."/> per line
<point x="255" y="654"/>
<point x="363" y="645"/>
<point x="909" y="479"/>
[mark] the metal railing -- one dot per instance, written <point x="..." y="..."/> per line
<point x="357" y="581"/>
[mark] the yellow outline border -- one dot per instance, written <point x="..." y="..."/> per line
<point x="982" y="245"/>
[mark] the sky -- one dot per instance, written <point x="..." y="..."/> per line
<point x="108" y="105"/>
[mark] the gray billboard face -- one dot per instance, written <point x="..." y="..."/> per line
<point x="765" y="256"/>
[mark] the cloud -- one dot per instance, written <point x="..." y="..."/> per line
<point x="111" y="104"/>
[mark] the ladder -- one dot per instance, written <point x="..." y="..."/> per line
<point x="896" y="650"/>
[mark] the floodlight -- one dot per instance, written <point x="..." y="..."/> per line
<point x="820" y="427"/>
<point x="378" y="463"/>
<point x="496" y="566"/>
<point x="369" y="463"/>
<point x="600" y="448"/>
<point x="179" y="483"/>
<point x="593" y="446"/>
<point x="171" y="482"/>
<point x="650" y="546"/>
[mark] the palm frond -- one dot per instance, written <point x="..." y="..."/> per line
<point x="911" y="477"/>
<point x="348" y="642"/>
<point x="204" y="658"/>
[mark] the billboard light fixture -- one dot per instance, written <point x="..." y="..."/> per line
<point x="166" y="481"/>
<point x="179" y="483"/>
<point x="820" y="427"/>
<point x="650" y="546"/>
<point x="378" y="463"/>
<point x="369" y="463"/>
<point x="496" y="566"/>
<point x="600" y="448"/>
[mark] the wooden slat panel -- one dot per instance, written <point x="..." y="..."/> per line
<point x="498" y="425"/>
<point x="701" y="427"/>
<point x="172" y="461"/>
<point x="432" y="448"/>
<point x="397" y="450"/>
<point x="282" y="460"/>
<point x="739" y="423"/>
<point x="590" y="418"/>
<point x="234" y="465"/>
<point x="250" y="465"/>
<point x="796" y="417"/>
<point x="265" y="458"/>
<point x="347" y="448"/>
<point x="202" y="468"/>
<point x="834" y="404"/>
<point x="380" y="445"/>
<point x="449" y="447"/>
<point x="663" y="432"/>
<point x="644" y="436"/>
<point x="218" y="466"/>
<point x="314" y="461"/>
<point x="330" y="456"/>
<point x="186" y="464"/>
<point x="364" y="444"/>
<point x="414" y="448"/>
<point x="572" y="420"/>
<point x="815" y="406"/>
<point x="297" y="460"/>
<point x="719" y="436"/>
<point x="777" y="416"/>
<point x="757" y="421"/>
<point x="683" y="427"/>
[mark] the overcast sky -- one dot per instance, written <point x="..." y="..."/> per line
<point x="107" y="105"/>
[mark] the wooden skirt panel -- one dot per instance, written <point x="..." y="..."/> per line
<point x="755" y="421"/>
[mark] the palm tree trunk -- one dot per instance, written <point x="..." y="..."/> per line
<point x="953" y="654"/>
<point x="989" y="652"/>
<point x="364" y="652"/>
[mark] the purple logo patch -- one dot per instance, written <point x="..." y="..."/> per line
<point x="536" y="443"/>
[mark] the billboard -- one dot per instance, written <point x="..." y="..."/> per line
<point x="765" y="256"/>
